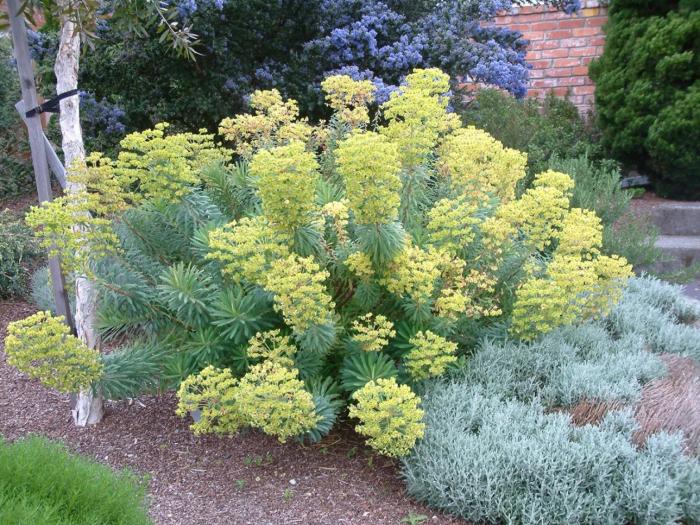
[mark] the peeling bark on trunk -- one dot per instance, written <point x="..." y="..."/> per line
<point x="88" y="407"/>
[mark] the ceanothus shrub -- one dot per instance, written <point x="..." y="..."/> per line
<point x="328" y="266"/>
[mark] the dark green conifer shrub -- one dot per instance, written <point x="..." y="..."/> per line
<point x="648" y="91"/>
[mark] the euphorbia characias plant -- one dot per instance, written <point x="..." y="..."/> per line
<point x="331" y="266"/>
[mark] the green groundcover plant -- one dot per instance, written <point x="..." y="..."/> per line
<point x="301" y="270"/>
<point x="648" y="91"/>
<point x="42" y="483"/>
<point x="495" y="450"/>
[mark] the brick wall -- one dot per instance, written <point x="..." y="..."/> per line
<point x="561" y="47"/>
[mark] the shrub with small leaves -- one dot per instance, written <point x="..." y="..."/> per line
<point x="389" y="416"/>
<point x="42" y="347"/>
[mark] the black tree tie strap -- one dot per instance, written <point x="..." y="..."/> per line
<point x="51" y="105"/>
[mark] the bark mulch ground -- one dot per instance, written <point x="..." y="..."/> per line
<point x="246" y="479"/>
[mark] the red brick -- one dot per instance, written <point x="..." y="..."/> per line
<point x="533" y="55"/>
<point x="575" y="42"/>
<point x="596" y="41"/>
<point x="590" y="51"/>
<point x="572" y="81"/>
<point x="537" y="73"/>
<point x="519" y="27"/>
<point x="541" y="64"/>
<point x="544" y="44"/>
<point x="596" y="21"/>
<point x="586" y="31"/>
<point x="566" y="62"/>
<point x="559" y="72"/>
<point x="580" y="70"/>
<point x="586" y="60"/>
<point x="584" y="90"/>
<point x="555" y="53"/>
<point x="544" y="26"/>
<point x="572" y="22"/>
<point x="534" y="35"/>
<point x="560" y="91"/>
<point x="560" y="33"/>
<point x="535" y="17"/>
<point x="534" y="92"/>
<point x="544" y="83"/>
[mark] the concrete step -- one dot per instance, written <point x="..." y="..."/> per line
<point x="681" y="250"/>
<point x="677" y="218"/>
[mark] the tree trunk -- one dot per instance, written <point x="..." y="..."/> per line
<point x="88" y="407"/>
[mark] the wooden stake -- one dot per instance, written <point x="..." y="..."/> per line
<point x="36" y="143"/>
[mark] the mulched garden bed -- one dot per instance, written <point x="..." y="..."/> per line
<point x="247" y="479"/>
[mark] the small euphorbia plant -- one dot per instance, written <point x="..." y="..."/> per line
<point x="333" y="265"/>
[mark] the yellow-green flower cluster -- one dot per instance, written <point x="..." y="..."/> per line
<point x="430" y="356"/>
<point x="581" y="234"/>
<point x="274" y="122"/>
<point x="572" y="290"/>
<point x="361" y="265"/>
<point x="476" y="163"/>
<point x="246" y="248"/>
<point x="42" y="347"/>
<point x="66" y="228"/>
<point x="286" y="177"/>
<point x="272" y="398"/>
<point x="271" y="345"/>
<point x="349" y="98"/>
<point x="109" y="193"/>
<point x="451" y="223"/>
<point x="210" y="397"/>
<point x="539" y="214"/>
<point x="390" y="416"/>
<point x="414" y="273"/>
<point x="300" y="292"/>
<point x="417" y="115"/>
<point x="372" y="333"/>
<point x="369" y="165"/>
<point x="579" y="283"/>
<point x="165" y="166"/>
<point x="338" y="212"/>
<point x="472" y="295"/>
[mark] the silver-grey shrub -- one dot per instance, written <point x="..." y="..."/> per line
<point x="494" y="452"/>
<point x="661" y="314"/>
<point x="505" y="461"/>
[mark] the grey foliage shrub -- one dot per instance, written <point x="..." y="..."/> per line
<point x="565" y="367"/>
<point x="495" y="452"/>
<point x="504" y="461"/>
<point x="660" y="313"/>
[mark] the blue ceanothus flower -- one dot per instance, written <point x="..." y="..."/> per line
<point x="384" y="40"/>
